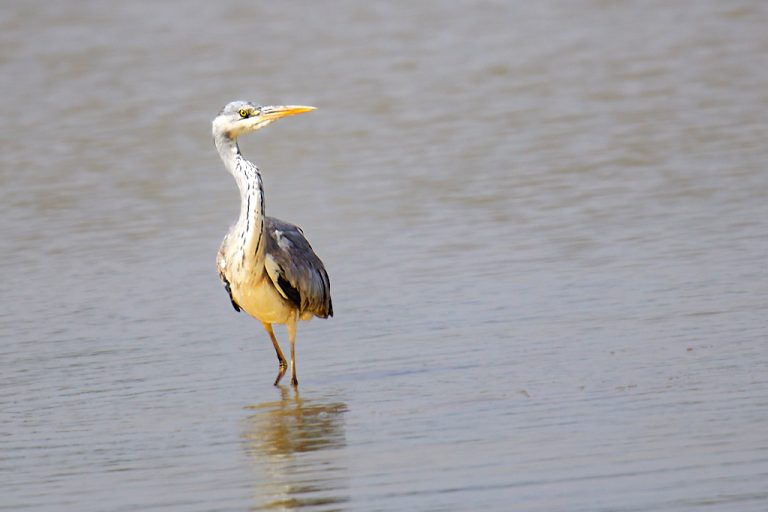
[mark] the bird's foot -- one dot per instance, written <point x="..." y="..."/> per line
<point x="281" y="372"/>
<point x="294" y="381"/>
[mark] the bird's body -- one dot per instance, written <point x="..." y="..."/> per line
<point x="267" y="265"/>
<point x="271" y="287"/>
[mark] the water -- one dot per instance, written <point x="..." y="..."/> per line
<point x="545" y="225"/>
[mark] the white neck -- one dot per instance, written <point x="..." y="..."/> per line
<point x="249" y="229"/>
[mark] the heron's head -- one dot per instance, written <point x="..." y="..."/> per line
<point x="240" y="117"/>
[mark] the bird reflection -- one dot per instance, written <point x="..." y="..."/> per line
<point x="296" y="444"/>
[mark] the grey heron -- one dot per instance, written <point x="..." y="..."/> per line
<point x="267" y="265"/>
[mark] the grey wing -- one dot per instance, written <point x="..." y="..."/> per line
<point x="295" y="269"/>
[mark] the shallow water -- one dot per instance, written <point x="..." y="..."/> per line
<point x="545" y="225"/>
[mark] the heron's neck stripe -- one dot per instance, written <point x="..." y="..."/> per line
<point x="252" y="216"/>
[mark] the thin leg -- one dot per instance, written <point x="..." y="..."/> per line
<point x="292" y="338"/>
<point x="280" y="357"/>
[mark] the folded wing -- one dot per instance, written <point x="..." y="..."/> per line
<point x="295" y="270"/>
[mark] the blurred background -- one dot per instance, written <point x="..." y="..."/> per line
<point x="545" y="225"/>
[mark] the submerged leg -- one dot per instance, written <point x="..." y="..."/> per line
<point x="292" y="338"/>
<point x="280" y="357"/>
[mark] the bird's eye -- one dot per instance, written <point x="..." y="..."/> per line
<point x="243" y="113"/>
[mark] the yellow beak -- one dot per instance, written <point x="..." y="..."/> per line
<point x="276" y="112"/>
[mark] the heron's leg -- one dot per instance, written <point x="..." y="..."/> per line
<point x="280" y="356"/>
<point x="292" y="338"/>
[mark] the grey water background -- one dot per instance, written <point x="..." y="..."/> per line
<point x="546" y="225"/>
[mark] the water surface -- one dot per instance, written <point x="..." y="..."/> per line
<point x="545" y="225"/>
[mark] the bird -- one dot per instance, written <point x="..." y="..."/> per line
<point x="267" y="265"/>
